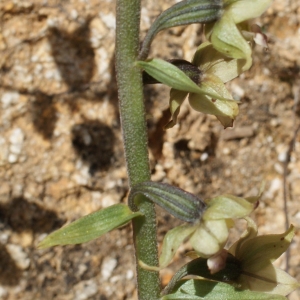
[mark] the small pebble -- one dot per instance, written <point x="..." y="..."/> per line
<point x="204" y="156"/>
<point x="17" y="136"/>
<point x="9" y="98"/>
<point x="12" y="158"/>
<point x="282" y="157"/>
<point x="108" y="265"/>
<point x="19" y="256"/>
<point x="86" y="289"/>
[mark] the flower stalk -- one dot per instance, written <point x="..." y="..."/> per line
<point x="132" y="112"/>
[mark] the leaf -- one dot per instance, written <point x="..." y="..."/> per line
<point x="181" y="204"/>
<point x="172" y="76"/>
<point x="199" y="267"/>
<point x="194" y="289"/>
<point x="90" y="226"/>
<point x="168" y="74"/>
<point x="182" y="13"/>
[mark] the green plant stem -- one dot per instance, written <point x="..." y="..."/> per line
<point x="132" y="111"/>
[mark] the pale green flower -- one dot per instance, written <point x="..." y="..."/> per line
<point x="209" y="236"/>
<point x="215" y="69"/>
<point x="256" y="255"/>
<point x="227" y="35"/>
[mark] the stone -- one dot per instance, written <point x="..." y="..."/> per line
<point x="107" y="267"/>
<point x="85" y="289"/>
<point x="19" y="256"/>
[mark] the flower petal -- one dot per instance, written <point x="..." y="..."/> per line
<point x="217" y="262"/>
<point x="176" y="99"/>
<point x="211" y="61"/>
<point x="270" y="279"/>
<point x="210" y="237"/>
<point x="227" y="39"/>
<point x="225" y="121"/>
<point x="258" y="252"/>
<point x="243" y="10"/>
<point x="259" y="37"/>
<point x="227" y="206"/>
<point x="173" y="239"/>
<point x="224" y="108"/>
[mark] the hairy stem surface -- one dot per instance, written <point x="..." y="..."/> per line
<point x="132" y="111"/>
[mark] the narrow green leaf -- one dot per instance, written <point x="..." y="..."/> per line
<point x="189" y="69"/>
<point x="194" y="289"/>
<point x="181" y="204"/>
<point x="168" y="74"/>
<point x="90" y="226"/>
<point x="182" y="13"/>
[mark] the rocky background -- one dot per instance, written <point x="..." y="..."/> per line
<point x="61" y="154"/>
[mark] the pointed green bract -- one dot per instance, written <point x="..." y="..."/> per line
<point x="168" y="74"/>
<point x="90" y="226"/>
<point x="194" y="289"/>
<point x="182" y="13"/>
<point x="172" y="76"/>
<point x="181" y="204"/>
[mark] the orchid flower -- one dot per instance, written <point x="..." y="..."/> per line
<point x="215" y="69"/>
<point x="208" y="236"/>
<point x="256" y="255"/>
